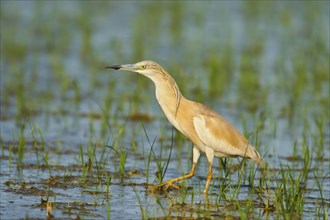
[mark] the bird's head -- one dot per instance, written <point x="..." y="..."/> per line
<point x="146" y="67"/>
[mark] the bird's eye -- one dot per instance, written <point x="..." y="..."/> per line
<point x="144" y="67"/>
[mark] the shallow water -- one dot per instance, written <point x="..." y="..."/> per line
<point x="65" y="120"/>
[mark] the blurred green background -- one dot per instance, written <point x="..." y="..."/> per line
<point x="266" y="57"/>
<point x="264" y="65"/>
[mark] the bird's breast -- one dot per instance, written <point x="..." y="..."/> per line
<point x="184" y="118"/>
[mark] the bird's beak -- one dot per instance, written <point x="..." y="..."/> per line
<point x="127" y="67"/>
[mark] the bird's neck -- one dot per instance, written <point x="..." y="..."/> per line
<point x="168" y="95"/>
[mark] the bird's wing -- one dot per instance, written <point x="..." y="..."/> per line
<point x="216" y="133"/>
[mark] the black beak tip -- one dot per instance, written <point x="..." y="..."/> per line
<point x="115" y="67"/>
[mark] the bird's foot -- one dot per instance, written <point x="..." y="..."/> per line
<point x="163" y="186"/>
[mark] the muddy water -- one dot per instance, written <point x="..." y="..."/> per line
<point x="67" y="124"/>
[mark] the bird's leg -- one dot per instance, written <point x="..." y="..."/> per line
<point x="208" y="180"/>
<point x="209" y="155"/>
<point x="170" y="183"/>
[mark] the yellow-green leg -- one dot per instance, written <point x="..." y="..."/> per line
<point x="209" y="155"/>
<point x="208" y="180"/>
<point x="170" y="183"/>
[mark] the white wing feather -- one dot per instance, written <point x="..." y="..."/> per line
<point x="207" y="136"/>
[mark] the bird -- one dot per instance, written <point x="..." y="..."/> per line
<point x="209" y="132"/>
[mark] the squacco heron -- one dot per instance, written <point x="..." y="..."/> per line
<point x="208" y="131"/>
